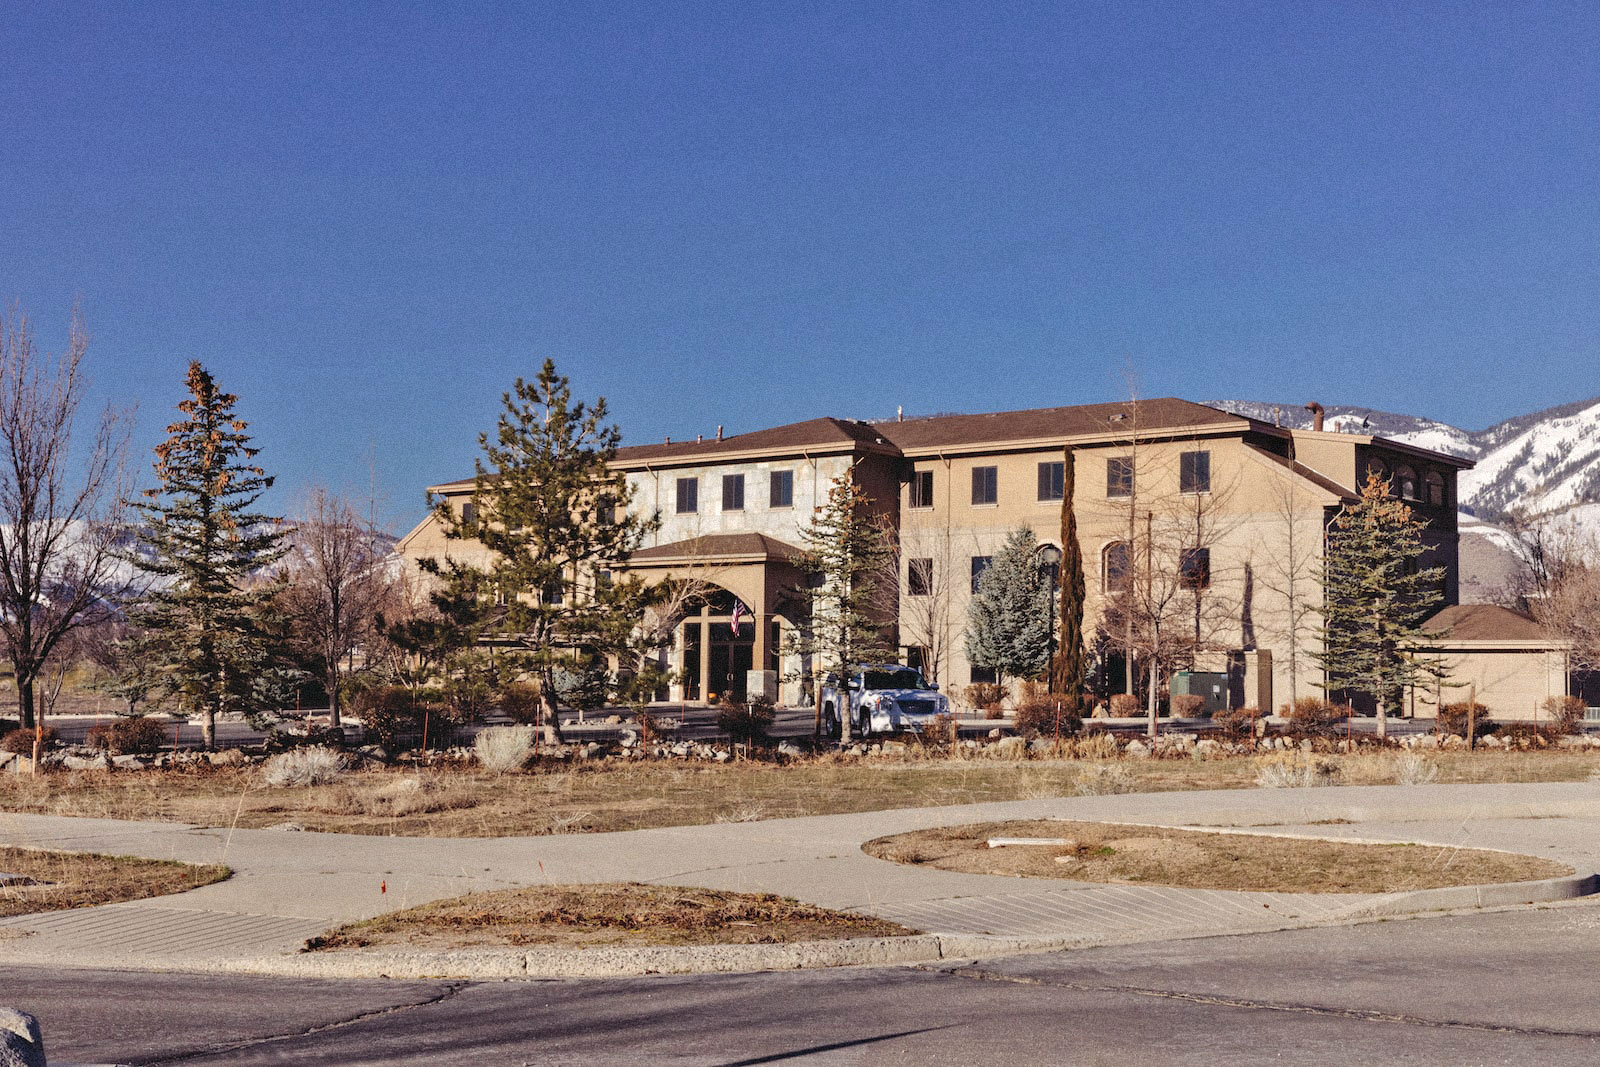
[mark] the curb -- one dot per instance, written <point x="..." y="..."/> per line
<point x="856" y="952"/>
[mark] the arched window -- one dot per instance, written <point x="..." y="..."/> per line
<point x="1377" y="468"/>
<point x="1434" y="481"/>
<point x="1405" y="483"/>
<point x="1116" y="567"/>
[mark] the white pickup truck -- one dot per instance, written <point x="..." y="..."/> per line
<point x="881" y="698"/>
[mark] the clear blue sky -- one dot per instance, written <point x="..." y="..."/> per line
<point x="367" y="220"/>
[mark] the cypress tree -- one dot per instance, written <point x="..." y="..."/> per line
<point x="1069" y="669"/>
<point x="209" y="618"/>
<point x="1375" y="599"/>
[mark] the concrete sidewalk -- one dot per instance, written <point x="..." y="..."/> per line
<point x="291" y="885"/>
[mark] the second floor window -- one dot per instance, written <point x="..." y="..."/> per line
<point x="688" y="496"/>
<point x="1194" y="472"/>
<point x="985" y="485"/>
<point x="782" y="494"/>
<point x="921" y="495"/>
<point x="469" y="513"/>
<point x="1052" y="480"/>
<point x="979" y="565"/>
<point x="919" y="577"/>
<point x="1119" y="476"/>
<point x="733" y="492"/>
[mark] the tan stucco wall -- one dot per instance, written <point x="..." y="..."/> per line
<point x="1511" y="683"/>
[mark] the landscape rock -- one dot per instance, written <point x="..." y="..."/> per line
<point x="21" y="1043"/>
<point x="1137" y="749"/>
<point x="1011" y="748"/>
<point x="630" y="738"/>
<point x="1490" y="741"/>
<point x="1208" y="747"/>
<point x="785" y="748"/>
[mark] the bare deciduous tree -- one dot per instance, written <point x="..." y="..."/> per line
<point x="336" y="581"/>
<point x="61" y="513"/>
<point x="1557" y="581"/>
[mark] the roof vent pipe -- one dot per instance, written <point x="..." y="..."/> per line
<point x="899" y="413"/>
<point x="1316" y="415"/>
<point x="669" y="438"/>
<point x="719" y="431"/>
<point x="699" y="437"/>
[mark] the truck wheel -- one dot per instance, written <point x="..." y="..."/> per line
<point x="830" y="722"/>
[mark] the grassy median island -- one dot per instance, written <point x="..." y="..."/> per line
<point x="1198" y="859"/>
<point x="33" y="880"/>
<point x="462" y="800"/>
<point x="611" y="914"/>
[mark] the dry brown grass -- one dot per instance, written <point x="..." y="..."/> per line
<point x="79" y="880"/>
<point x="1197" y="859"/>
<point x="465" y="802"/>
<point x="579" y="916"/>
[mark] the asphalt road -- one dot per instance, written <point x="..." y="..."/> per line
<point x="1506" y="988"/>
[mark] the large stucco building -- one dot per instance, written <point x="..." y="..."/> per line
<point x="1224" y="513"/>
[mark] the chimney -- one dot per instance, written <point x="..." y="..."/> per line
<point x="669" y="438"/>
<point x="1316" y="415"/>
<point x="899" y="413"/>
<point x="719" y="431"/>
<point x="699" y="438"/>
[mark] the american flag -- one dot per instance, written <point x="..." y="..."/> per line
<point x="739" y="615"/>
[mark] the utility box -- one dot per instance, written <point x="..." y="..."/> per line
<point x="1212" y="688"/>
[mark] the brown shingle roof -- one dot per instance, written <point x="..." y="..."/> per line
<point x="813" y="433"/>
<point x="1486" y="622"/>
<point x="1080" y="420"/>
<point x="714" y="547"/>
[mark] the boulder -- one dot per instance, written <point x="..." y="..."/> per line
<point x="1011" y="748"/>
<point x="1489" y="741"/>
<point x="21" y="1043"/>
<point x="1208" y="747"/>
<point x="1137" y="749"/>
<point x="785" y="748"/>
<point x="630" y="738"/>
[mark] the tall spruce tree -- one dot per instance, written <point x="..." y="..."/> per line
<point x="1069" y="670"/>
<point x="1375" y="599"/>
<point x="846" y="622"/>
<point x="209" y="618"/>
<point x="554" y="516"/>
<point x="1010" y="616"/>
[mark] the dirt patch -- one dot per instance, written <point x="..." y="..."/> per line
<point x="579" y="916"/>
<point x="462" y="801"/>
<point x="53" y="881"/>
<point x="1196" y="859"/>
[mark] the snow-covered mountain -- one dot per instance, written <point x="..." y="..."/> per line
<point x="1544" y="463"/>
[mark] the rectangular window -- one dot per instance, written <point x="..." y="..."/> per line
<point x="983" y="675"/>
<point x="921" y="489"/>
<point x="985" y="485"/>
<point x="782" y="494"/>
<point x="1052" y="480"/>
<point x="688" y="496"/>
<point x="469" y="513"/>
<point x="1194" y="472"/>
<point x="1119" y="476"/>
<point x="555" y="593"/>
<point x="733" y="492"/>
<point x="919" y="577"/>
<point x="979" y="565"/>
<point x="1194" y="568"/>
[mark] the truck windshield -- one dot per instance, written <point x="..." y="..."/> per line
<point x="904" y="678"/>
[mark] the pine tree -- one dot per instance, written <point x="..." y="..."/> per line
<point x="846" y="622"/>
<point x="1009" y="618"/>
<point x="1375" y="599"/>
<point x="1069" y="670"/>
<point x="554" y="516"/>
<point x="209" y="618"/>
